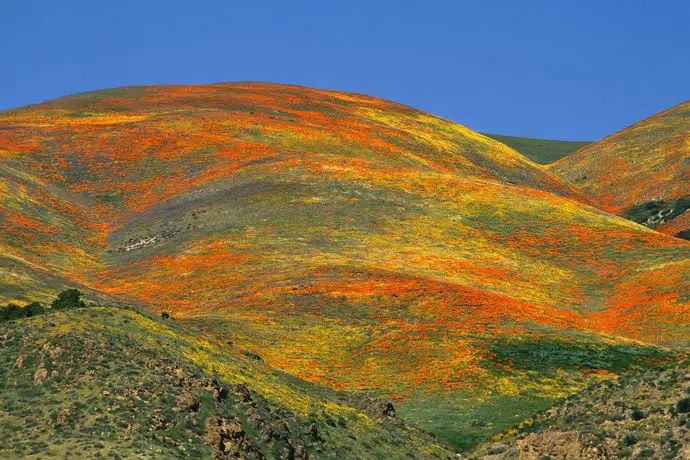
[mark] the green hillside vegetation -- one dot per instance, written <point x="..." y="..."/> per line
<point x="643" y="415"/>
<point x="91" y="382"/>
<point x="542" y="151"/>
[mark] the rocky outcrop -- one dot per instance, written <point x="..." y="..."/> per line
<point x="568" y="445"/>
<point x="228" y="439"/>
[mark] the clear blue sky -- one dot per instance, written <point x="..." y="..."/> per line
<point x="558" y="69"/>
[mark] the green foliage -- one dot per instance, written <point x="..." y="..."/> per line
<point x="69" y="298"/>
<point x="652" y="213"/>
<point x="547" y="355"/>
<point x="630" y="439"/>
<point x="637" y="415"/>
<point x="165" y="315"/>
<point x="33" y="309"/>
<point x="683" y="406"/>
<point x="252" y="355"/>
<point x="11" y="312"/>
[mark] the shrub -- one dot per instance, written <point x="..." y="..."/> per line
<point x="646" y="453"/>
<point x="11" y="311"/>
<point x="683" y="406"/>
<point x="251" y="355"/>
<point x="69" y="298"/>
<point x="33" y="309"/>
<point x="630" y="439"/>
<point x="637" y="415"/>
<point x="165" y="315"/>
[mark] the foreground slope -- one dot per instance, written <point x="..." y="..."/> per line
<point x="347" y="240"/>
<point x="542" y="151"/>
<point x="110" y="382"/>
<point x="641" y="172"/>
<point x="645" y="415"/>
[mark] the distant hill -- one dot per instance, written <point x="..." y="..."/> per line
<point x="349" y="241"/>
<point x="542" y="151"/>
<point x="641" y="172"/>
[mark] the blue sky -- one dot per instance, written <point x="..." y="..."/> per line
<point x="556" y="69"/>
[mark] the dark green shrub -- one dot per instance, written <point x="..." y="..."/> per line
<point x="251" y="355"/>
<point x="637" y="415"/>
<point x="683" y="406"/>
<point x="165" y="315"/>
<point x="630" y="439"/>
<point x="69" y="298"/>
<point x="33" y="309"/>
<point x="10" y="312"/>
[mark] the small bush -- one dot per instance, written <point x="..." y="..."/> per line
<point x="646" y="453"/>
<point x="33" y="309"/>
<point x="165" y="315"/>
<point x="683" y="406"/>
<point x="251" y="355"/>
<point x="69" y="298"/>
<point x="10" y="312"/>
<point x="637" y="415"/>
<point x="630" y="439"/>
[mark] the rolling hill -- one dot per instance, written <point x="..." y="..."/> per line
<point x="641" y="172"/>
<point x="349" y="241"/>
<point x="542" y="151"/>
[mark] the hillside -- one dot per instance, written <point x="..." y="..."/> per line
<point x="641" y="172"/>
<point x="645" y="415"/>
<point x="542" y="151"/>
<point x="348" y="241"/>
<point x="110" y="382"/>
<point x="76" y="170"/>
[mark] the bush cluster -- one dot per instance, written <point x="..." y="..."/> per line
<point x="69" y="298"/>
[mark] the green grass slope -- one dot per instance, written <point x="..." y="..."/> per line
<point x="109" y="382"/>
<point x="542" y="151"/>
